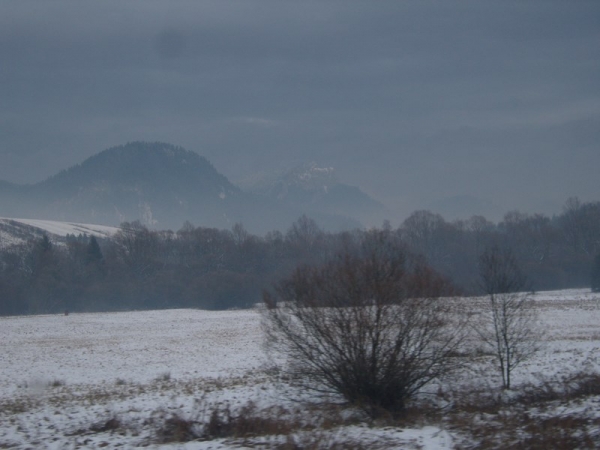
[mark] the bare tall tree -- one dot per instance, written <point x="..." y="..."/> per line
<point x="596" y="274"/>
<point x="364" y="326"/>
<point x="509" y="322"/>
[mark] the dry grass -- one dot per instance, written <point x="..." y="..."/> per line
<point x="535" y="417"/>
<point x="276" y="427"/>
<point x="316" y="441"/>
<point x="16" y="406"/>
<point x="566" y="389"/>
<point x="519" y="430"/>
<point x="550" y="413"/>
<point x="532" y="417"/>
<point x="218" y="421"/>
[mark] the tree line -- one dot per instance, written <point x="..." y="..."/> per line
<point x="209" y="268"/>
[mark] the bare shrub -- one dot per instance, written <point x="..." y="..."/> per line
<point x="583" y="385"/>
<point x="178" y="429"/>
<point x="220" y="423"/>
<point x="56" y="383"/>
<point x="108" y="425"/>
<point x="365" y="326"/>
<point x="164" y="377"/>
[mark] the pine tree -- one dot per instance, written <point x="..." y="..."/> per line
<point x="93" y="252"/>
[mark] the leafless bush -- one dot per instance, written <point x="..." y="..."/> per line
<point x="164" y="377"/>
<point x="108" y="425"/>
<point x="364" y="326"/>
<point x="178" y="429"/>
<point x="56" y="383"/>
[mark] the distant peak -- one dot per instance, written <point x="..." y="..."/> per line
<point x="158" y="147"/>
<point x="141" y="166"/>
<point x="310" y="174"/>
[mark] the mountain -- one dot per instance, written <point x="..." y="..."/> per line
<point x="159" y="184"/>
<point x="316" y="190"/>
<point x="156" y="183"/>
<point x="163" y="186"/>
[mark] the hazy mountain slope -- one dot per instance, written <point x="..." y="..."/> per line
<point x="138" y="164"/>
<point x="6" y="185"/>
<point x="157" y="183"/>
<point x="316" y="190"/>
<point x="162" y="186"/>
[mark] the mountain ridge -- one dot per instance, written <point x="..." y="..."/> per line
<point x="160" y="184"/>
<point x="310" y="187"/>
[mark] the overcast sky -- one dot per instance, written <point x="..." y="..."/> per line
<point x="417" y="102"/>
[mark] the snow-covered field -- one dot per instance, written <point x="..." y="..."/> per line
<point x="109" y="380"/>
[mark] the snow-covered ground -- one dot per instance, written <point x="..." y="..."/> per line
<point x="64" y="228"/>
<point x="114" y="379"/>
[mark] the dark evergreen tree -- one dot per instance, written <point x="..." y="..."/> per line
<point x="44" y="244"/>
<point x="93" y="252"/>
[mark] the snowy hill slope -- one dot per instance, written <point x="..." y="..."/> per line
<point x="16" y="231"/>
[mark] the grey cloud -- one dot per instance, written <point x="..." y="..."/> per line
<point x="410" y="100"/>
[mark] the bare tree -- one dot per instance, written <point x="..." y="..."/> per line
<point x="137" y="247"/>
<point x="426" y="232"/>
<point x="596" y="274"/>
<point x="581" y="225"/>
<point x="350" y="327"/>
<point x="509" y="322"/>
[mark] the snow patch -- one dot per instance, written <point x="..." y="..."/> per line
<point x="64" y="228"/>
